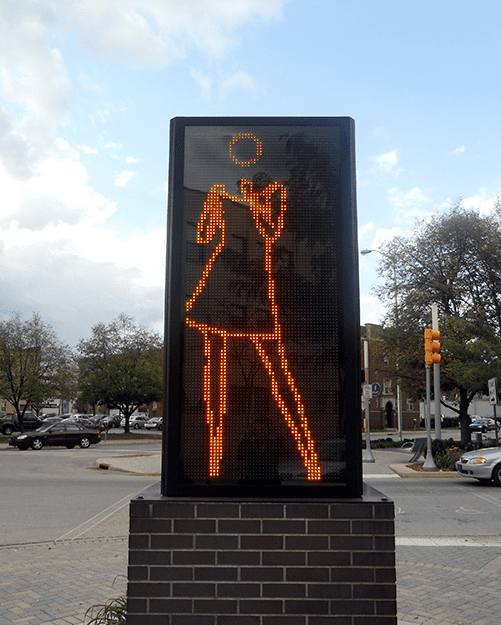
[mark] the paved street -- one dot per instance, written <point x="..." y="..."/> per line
<point x="443" y="579"/>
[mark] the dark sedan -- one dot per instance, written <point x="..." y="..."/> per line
<point x="65" y="434"/>
<point x="483" y="424"/>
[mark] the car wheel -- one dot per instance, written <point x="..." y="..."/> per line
<point x="496" y="474"/>
<point x="85" y="442"/>
<point x="37" y="443"/>
<point x="7" y="430"/>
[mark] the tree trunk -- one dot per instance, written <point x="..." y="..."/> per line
<point x="464" y="420"/>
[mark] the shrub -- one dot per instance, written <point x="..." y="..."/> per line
<point x="448" y="459"/>
<point x="114" y="612"/>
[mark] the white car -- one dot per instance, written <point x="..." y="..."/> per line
<point x="482" y="464"/>
<point x="135" y="422"/>
<point x="155" y="423"/>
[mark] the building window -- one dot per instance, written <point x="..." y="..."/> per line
<point x="410" y="404"/>
<point x="386" y="386"/>
<point x="3" y="406"/>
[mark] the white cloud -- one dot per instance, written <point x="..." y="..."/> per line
<point x="57" y="253"/>
<point x="154" y="33"/>
<point x="482" y="202"/>
<point x="386" y="164"/>
<point x="204" y="82"/>
<point x="409" y="205"/>
<point x="363" y="231"/>
<point x="239" y="80"/>
<point x="123" y="178"/>
<point x="381" y="238"/>
<point x="380" y="131"/>
<point x="100" y="116"/>
<point x="59" y="258"/>
<point x="460" y="150"/>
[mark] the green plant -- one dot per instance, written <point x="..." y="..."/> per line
<point x="449" y="458"/>
<point x="113" y="612"/>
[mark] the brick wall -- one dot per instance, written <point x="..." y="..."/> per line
<point x="194" y="562"/>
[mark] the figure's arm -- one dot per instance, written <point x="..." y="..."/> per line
<point x="212" y="214"/>
<point x="267" y="206"/>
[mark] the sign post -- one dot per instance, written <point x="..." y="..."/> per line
<point x="262" y="314"/>
<point x="493" y="399"/>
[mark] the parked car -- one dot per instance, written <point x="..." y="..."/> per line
<point x="11" y="423"/>
<point x="445" y="421"/>
<point x="87" y="420"/>
<point x="51" y="420"/>
<point x="111" y="421"/>
<point x="482" y="464"/>
<point x="66" y="433"/>
<point x="155" y="423"/>
<point x="135" y="422"/>
<point x="483" y="424"/>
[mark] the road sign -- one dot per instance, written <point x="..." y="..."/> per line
<point x="493" y="391"/>
<point x="376" y="389"/>
<point x="367" y="391"/>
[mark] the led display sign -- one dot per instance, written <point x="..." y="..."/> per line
<point x="262" y="325"/>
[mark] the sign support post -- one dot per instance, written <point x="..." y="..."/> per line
<point x="493" y="399"/>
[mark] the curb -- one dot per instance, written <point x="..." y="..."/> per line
<point x="406" y="472"/>
<point x="140" y="464"/>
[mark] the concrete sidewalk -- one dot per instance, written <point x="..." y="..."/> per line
<point x="441" y="582"/>
<point x="388" y="463"/>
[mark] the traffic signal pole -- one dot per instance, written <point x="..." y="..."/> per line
<point x="436" y="378"/>
<point x="429" y="463"/>
<point x="431" y="357"/>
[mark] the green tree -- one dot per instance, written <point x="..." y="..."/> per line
<point x="452" y="260"/>
<point x="121" y="366"/>
<point x="34" y="364"/>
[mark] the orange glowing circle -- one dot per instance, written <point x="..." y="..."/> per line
<point x="259" y="149"/>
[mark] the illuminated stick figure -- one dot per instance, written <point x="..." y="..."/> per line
<point x="269" y="222"/>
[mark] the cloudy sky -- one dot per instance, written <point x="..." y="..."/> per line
<point x="87" y="89"/>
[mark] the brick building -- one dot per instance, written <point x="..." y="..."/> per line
<point x="384" y="409"/>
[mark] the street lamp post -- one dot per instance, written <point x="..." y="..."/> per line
<point x="395" y="290"/>
<point x="368" y="455"/>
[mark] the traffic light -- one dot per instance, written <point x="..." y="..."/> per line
<point x="431" y="346"/>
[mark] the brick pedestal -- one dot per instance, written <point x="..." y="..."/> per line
<point x="226" y="562"/>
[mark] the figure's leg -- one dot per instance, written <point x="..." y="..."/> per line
<point x="289" y="401"/>
<point x="215" y="350"/>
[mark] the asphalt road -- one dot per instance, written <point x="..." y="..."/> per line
<point x="49" y="494"/>
<point x="436" y="507"/>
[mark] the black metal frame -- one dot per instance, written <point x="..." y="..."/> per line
<point x="349" y="318"/>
